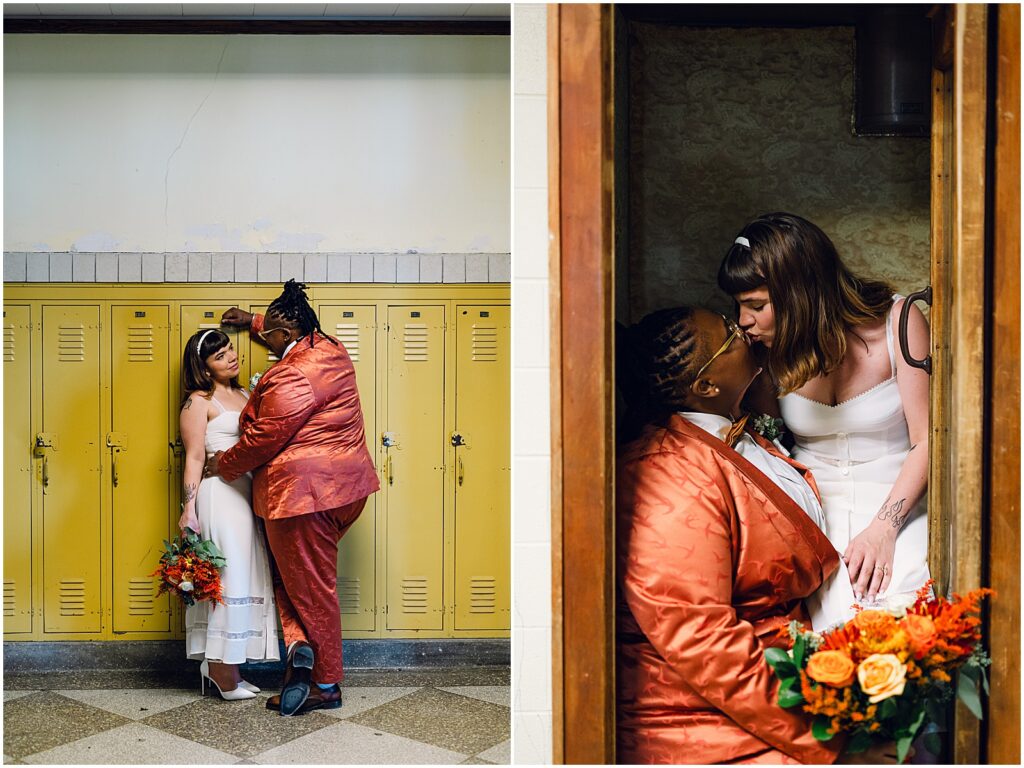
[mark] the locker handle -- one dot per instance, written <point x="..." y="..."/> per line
<point x="462" y="471"/>
<point x="113" y="465"/>
<point x="46" y="473"/>
<point x="388" y="471"/>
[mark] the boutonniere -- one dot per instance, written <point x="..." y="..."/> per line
<point x="768" y="427"/>
<point x="254" y="380"/>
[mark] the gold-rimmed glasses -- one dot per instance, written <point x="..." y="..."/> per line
<point x="734" y="332"/>
<point x="263" y="334"/>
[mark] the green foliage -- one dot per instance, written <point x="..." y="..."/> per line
<point x="858" y="742"/>
<point x="820" y="728"/>
<point x="779" y="660"/>
<point x="967" y="689"/>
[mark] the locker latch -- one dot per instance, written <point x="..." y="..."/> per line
<point x="388" y="440"/>
<point x="45" y="440"/>
<point x="119" y="442"/>
<point x="458" y="439"/>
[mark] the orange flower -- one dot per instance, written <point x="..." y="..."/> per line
<point x="833" y="668"/>
<point x="881" y="676"/>
<point x="875" y="623"/>
<point x="920" y="630"/>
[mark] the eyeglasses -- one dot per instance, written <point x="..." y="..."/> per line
<point x="263" y="334"/>
<point x="734" y="332"/>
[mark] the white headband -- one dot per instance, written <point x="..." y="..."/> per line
<point x="742" y="241"/>
<point x="199" y="344"/>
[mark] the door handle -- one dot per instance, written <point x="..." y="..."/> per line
<point x="388" y="471"/>
<point x="46" y="473"/>
<point x="45" y="441"/>
<point x="924" y="295"/>
<point x="113" y="465"/>
<point x="462" y="471"/>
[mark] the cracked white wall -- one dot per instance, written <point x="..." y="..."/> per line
<point x="214" y="144"/>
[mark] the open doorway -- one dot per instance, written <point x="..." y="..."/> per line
<point x="950" y="179"/>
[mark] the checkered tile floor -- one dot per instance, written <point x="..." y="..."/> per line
<point x="404" y="717"/>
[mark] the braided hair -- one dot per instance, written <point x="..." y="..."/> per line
<point x="293" y="307"/>
<point x="656" y="363"/>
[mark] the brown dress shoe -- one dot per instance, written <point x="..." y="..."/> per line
<point x="318" y="698"/>
<point x="296" y="684"/>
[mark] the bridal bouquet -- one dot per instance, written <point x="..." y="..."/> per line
<point x="190" y="569"/>
<point x="883" y="675"/>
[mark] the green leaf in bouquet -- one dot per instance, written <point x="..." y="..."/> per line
<point x="984" y="679"/>
<point x="858" y="742"/>
<point x="799" y="649"/>
<point x="779" y="660"/>
<point x="903" y="747"/>
<point x="789" y="698"/>
<point x="887" y="709"/>
<point x="967" y="691"/>
<point x="820" y="730"/>
<point x="933" y="743"/>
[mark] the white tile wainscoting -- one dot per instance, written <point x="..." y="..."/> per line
<point x="84" y="267"/>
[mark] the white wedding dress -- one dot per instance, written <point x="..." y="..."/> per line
<point x="245" y="627"/>
<point x="855" y="450"/>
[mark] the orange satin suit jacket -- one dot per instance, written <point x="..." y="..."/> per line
<point x="712" y="559"/>
<point x="302" y="434"/>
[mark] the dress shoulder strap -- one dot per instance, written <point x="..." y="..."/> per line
<point x="890" y="341"/>
<point x="218" y="404"/>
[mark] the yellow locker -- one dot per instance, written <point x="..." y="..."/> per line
<point x="18" y="441"/>
<point x="140" y="462"/>
<point x="482" y="467"/>
<point x="356" y="327"/>
<point x="69" y="445"/>
<point x="261" y="358"/>
<point x="414" y="456"/>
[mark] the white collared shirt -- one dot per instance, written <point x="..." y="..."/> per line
<point x="775" y="469"/>
<point x="289" y="348"/>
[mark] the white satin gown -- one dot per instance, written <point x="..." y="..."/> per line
<point x="245" y="627"/>
<point x="856" y="449"/>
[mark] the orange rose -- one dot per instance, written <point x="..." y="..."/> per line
<point x="920" y="630"/>
<point x="882" y="675"/>
<point x="833" y="668"/>
<point x="875" y="623"/>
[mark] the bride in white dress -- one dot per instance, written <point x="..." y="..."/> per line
<point x="857" y="410"/>
<point x="244" y="628"/>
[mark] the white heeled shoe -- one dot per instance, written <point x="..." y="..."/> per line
<point x="248" y="686"/>
<point x="236" y="694"/>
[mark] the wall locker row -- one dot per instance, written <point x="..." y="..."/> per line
<point x="93" y="458"/>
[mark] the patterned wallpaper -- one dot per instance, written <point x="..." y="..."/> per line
<point x="729" y="123"/>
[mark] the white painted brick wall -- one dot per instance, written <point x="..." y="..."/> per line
<point x="531" y="373"/>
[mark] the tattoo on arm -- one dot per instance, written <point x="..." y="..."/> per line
<point x="894" y="513"/>
<point x="187" y="405"/>
<point x="190" y="492"/>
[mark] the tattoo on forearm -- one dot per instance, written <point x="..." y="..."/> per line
<point x="190" y="492"/>
<point x="894" y="513"/>
<point x="187" y="405"/>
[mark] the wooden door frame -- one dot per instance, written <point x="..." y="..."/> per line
<point x="581" y="217"/>
<point x="581" y="190"/>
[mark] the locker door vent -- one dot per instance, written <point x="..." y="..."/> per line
<point x="72" y="597"/>
<point x="9" y="598"/>
<point x="485" y="343"/>
<point x="348" y="594"/>
<point x="481" y="595"/>
<point x="416" y="343"/>
<point x="140" y="343"/>
<point x="414" y="594"/>
<point x="348" y="334"/>
<point x="71" y="343"/>
<point x="8" y="343"/>
<point x="140" y="597"/>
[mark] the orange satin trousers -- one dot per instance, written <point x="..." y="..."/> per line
<point x="305" y="554"/>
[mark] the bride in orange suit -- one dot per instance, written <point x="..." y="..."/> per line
<point x="719" y="544"/>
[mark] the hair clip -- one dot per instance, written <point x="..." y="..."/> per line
<point x="742" y="241"/>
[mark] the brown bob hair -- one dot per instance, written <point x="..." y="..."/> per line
<point x="195" y="376"/>
<point x="814" y="296"/>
